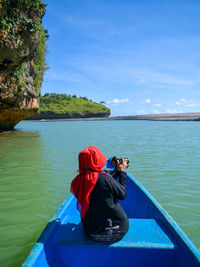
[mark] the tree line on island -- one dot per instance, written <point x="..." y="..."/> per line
<point x="54" y="96"/>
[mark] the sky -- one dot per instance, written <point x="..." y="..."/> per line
<point x="138" y="56"/>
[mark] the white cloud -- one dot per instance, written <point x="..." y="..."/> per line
<point x="146" y="101"/>
<point x="141" y="112"/>
<point x="155" y="111"/>
<point x="163" y="77"/>
<point x="182" y="101"/>
<point x="157" y="105"/>
<point x="142" y="81"/>
<point x="192" y="105"/>
<point x="188" y="103"/>
<point x="116" y="101"/>
<point x="173" y="110"/>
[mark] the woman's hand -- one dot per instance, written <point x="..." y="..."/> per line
<point x="123" y="166"/>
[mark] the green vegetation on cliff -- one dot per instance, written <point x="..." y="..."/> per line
<point x="55" y="106"/>
<point x="21" y="30"/>
<point x="22" y="61"/>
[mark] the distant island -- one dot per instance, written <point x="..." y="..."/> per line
<point x="63" y="106"/>
<point x="162" y="117"/>
<point x="150" y="117"/>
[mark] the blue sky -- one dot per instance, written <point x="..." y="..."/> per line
<point x="139" y="56"/>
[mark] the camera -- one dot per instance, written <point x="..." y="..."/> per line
<point x="114" y="159"/>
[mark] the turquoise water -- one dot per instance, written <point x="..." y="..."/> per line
<point x="39" y="159"/>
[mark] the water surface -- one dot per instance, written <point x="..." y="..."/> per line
<point x="39" y="159"/>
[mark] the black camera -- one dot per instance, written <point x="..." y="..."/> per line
<point x="114" y="161"/>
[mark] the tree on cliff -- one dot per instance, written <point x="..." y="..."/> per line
<point x="22" y="63"/>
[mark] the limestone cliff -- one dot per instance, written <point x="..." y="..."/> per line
<point x="22" y="49"/>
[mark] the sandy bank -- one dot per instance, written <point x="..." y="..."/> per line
<point x="153" y="117"/>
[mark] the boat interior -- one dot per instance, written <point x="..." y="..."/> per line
<point x="153" y="239"/>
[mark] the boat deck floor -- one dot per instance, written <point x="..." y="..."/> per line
<point x="145" y="241"/>
<point x="142" y="233"/>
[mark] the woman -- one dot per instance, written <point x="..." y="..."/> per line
<point x="97" y="195"/>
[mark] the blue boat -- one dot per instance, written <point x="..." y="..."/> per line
<point x="153" y="239"/>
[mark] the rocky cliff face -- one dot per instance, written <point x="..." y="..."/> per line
<point x="22" y="49"/>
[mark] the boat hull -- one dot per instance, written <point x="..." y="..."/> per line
<point x="153" y="239"/>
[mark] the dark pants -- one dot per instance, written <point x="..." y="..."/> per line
<point x="110" y="233"/>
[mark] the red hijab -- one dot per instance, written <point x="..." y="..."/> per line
<point x="91" y="162"/>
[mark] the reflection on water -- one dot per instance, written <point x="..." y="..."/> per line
<point x="39" y="160"/>
<point x="22" y="190"/>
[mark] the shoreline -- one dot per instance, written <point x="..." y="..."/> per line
<point x="151" y="117"/>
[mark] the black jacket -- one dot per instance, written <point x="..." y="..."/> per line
<point x="104" y="204"/>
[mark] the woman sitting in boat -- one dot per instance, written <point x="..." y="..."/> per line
<point x="97" y="194"/>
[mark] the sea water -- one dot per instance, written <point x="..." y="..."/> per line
<point x="38" y="160"/>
